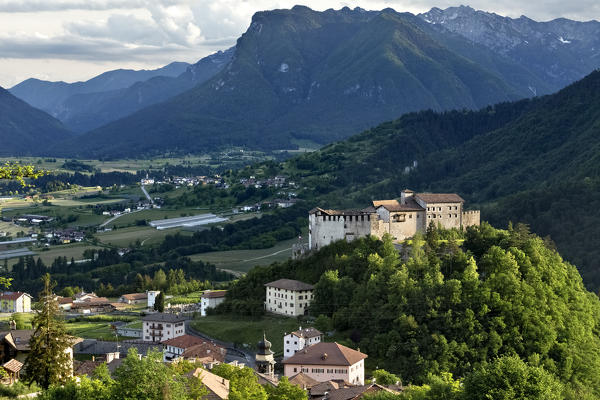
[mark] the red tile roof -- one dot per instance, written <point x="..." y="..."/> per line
<point x="135" y="296"/>
<point x="184" y="342"/>
<point x="12" y="295"/>
<point x="326" y="353"/>
<point x="214" y="294"/>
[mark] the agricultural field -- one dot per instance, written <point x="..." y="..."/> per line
<point x="126" y="236"/>
<point x="247" y="330"/>
<point x="241" y="261"/>
<point x="153" y="214"/>
<point x="190" y="298"/>
<point x="74" y="250"/>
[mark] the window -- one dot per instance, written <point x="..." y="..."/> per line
<point x="287" y="341"/>
<point x="449" y="207"/>
<point x="295" y="369"/>
<point x="299" y="297"/>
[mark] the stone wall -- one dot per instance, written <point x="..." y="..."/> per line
<point x="471" y="218"/>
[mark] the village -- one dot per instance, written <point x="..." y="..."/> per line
<point x="323" y="369"/>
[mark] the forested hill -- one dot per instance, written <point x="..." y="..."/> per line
<point x="447" y="308"/>
<point x="533" y="161"/>
<point x="25" y="130"/>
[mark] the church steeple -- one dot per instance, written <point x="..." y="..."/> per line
<point x="265" y="362"/>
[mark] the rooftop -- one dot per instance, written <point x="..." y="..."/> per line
<point x="135" y="296"/>
<point x="289" y="284"/>
<point x="163" y="317"/>
<point x="326" y="353"/>
<point x="217" y="385"/>
<point x="440" y="197"/>
<point x="184" y="342"/>
<point x="212" y="294"/>
<point x="12" y="295"/>
<point x="307" y="333"/>
<point x="364" y="211"/>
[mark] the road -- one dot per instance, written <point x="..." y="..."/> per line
<point x="147" y="195"/>
<point x="111" y="219"/>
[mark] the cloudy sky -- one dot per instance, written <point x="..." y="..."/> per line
<point x="74" y="40"/>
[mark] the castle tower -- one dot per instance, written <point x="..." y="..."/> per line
<point x="265" y="363"/>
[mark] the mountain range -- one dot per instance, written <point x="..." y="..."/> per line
<point x="533" y="161"/>
<point x="298" y="76"/>
<point x="25" y="130"/>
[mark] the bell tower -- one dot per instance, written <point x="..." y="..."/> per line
<point x="265" y="362"/>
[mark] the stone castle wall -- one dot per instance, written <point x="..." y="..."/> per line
<point x="471" y="218"/>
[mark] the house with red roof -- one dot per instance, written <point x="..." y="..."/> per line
<point x="327" y="361"/>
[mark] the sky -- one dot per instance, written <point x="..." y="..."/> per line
<point x="72" y="40"/>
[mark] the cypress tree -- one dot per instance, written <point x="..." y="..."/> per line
<point x="159" y="302"/>
<point x="48" y="362"/>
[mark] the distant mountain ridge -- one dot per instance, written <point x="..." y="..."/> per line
<point x="85" y="111"/>
<point x="300" y="75"/>
<point x="48" y="96"/>
<point x="561" y="51"/>
<point x="25" y="130"/>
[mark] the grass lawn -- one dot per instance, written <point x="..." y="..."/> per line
<point x="136" y="325"/>
<point x="245" y="260"/>
<point x="26" y="317"/>
<point x="246" y="330"/>
<point x="92" y="330"/>
<point x="146" y="234"/>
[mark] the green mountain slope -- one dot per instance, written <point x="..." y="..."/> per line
<point x="305" y="75"/>
<point x="533" y="161"/>
<point x="25" y="130"/>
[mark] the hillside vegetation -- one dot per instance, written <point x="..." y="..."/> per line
<point x="446" y="308"/>
<point x="533" y="161"/>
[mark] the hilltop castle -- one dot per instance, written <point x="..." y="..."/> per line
<point x="401" y="219"/>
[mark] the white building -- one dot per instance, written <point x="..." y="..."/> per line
<point x="12" y="302"/>
<point x="159" y="327"/>
<point x="211" y="299"/>
<point x="288" y="297"/>
<point x="152" y="297"/>
<point x="299" y="340"/>
<point x="328" y="361"/>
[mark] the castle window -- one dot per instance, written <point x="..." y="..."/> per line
<point x="323" y="218"/>
<point x="362" y="217"/>
<point x="433" y="216"/>
<point x="410" y="216"/>
<point x="439" y="208"/>
<point x="449" y="207"/>
<point x="455" y="215"/>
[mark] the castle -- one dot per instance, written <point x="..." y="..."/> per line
<point x="401" y="219"/>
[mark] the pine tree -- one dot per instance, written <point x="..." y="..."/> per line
<point x="48" y="361"/>
<point x="159" y="302"/>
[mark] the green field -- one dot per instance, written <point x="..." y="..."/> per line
<point x="126" y="236"/>
<point x="245" y="260"/>
<point x="245" y="330"/>
<point x="92" y="330"/>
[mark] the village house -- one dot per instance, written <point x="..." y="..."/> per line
<point x="217" y="387"/>
<point x="288" y="297"/>
<point x="188" y="347"/>
<point x="12" y="302"/>
<point x="328" y="361"/>
<point x="211" y="299"/>
<point x="402" y="219"/>
<point x="159" y="327"/>
<point x="14" y="346"/>
<point x="300" y="339"/>
<point x="134" y="298"/>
